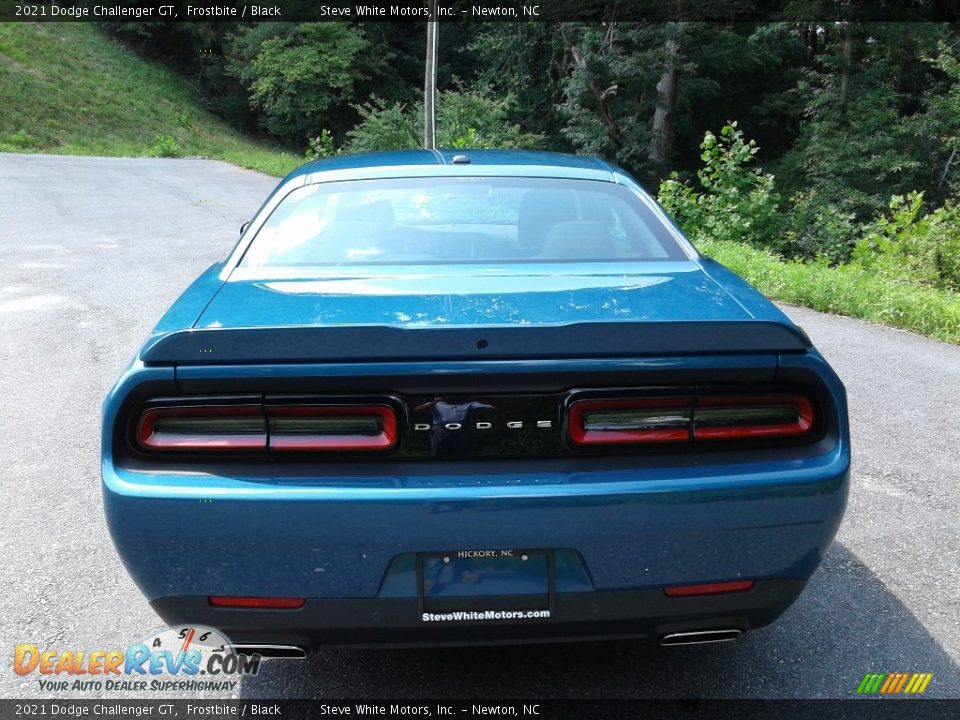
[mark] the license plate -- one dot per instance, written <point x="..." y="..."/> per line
<point x="485" y="580"/>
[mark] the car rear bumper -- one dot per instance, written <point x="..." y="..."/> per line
<point x="346" y="548"/>
<point x="574" y="616"/>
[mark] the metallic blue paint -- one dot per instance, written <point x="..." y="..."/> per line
<point x="505" y="295"/>
<point x="339" y="534"/>
<point x="529" y="163"/>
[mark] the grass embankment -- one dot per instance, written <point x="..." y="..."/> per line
<point x="844" y="290"/>
<point x="67" y="88"/>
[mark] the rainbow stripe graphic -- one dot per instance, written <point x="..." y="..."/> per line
<point x="894" y="683"/>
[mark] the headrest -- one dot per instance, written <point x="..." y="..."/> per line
<point x="580" y="239"/>
<point x="540" y="209"/>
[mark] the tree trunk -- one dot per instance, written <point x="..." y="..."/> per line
<point x="845" y="70"/>
<point x="662" y="141"/>
<point x="811" y="38"/>
<point x="602" y="96"/>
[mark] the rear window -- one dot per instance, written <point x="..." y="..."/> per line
<point x="458" y="220"/>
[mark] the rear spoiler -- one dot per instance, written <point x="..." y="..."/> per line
<point x="218" y="346"/>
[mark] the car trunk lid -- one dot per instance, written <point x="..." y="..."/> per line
<point x="483" y="312"/>
<point x="466" y="297"/>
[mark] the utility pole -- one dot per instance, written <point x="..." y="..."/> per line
<point x="430" y="82"/>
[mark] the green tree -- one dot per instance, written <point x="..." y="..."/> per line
<point x="909" y="245"/>
<point x="609" y="89"/>
<point x="644" y="94"/>
<point x="524" y="61"/>
<point x="465" y="118"/>
<point x="305" y="77"/>
<point x="940" y="123"/>
<point x="735" y="202"/>
<point x="864" y="106"/>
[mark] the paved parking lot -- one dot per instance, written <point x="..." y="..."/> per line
<point x="93" y="250"/>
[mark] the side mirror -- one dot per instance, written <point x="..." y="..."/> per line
<point x="243" y="228"/>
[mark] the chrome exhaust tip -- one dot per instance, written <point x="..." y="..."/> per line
<point x="700" y="637"/>
<point x="273" y="652"/>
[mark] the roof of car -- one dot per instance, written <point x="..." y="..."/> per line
<point x="530" y="162"/>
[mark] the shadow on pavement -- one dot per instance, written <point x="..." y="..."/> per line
<point x="845" y="624"/>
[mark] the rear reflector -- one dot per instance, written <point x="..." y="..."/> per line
<point x="709" y="588"/>
<point x="677" y="419"/>
<point x="332" y="427"/>
<point x="256" y="602"/>
<point x="203" y="427"/>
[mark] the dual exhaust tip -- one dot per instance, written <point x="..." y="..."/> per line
<point x="700" y="637"/>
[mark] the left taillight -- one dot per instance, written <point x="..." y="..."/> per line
<point x="203" y="427"/>
<point x="340" y="427"/>
<point x="331" y="428"/>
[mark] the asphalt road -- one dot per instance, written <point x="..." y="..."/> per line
<point x="93" y="250"/>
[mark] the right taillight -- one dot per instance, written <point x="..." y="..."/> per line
<point x="744" y="417"/>
<point x="651" y="420"/>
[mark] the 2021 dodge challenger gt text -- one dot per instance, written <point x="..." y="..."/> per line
<point x="438" y="398"/>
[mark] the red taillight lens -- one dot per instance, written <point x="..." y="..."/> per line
<point x="633" y="421"/>
<point x="731" y="418"/>
<point x="640" y="420"/>
<point x="263" y="603"/>
<point x="709" y="588"/>
<point x="332" y="427"/>
<point x="203" y="427"/>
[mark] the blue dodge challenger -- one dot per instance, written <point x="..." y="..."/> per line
<point x="493" y="396"/>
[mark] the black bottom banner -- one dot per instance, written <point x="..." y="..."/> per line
<point x="160" y="709"/>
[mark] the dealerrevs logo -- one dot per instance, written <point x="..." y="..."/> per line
<point x="178" y="658"/>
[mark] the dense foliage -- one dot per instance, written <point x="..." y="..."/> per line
<point x="464" y="119"/>
<point x="905" y="265"/>
<point x="737" y="202"/>
<point x="854" y="154"/>
<point x="301" y="77"/>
